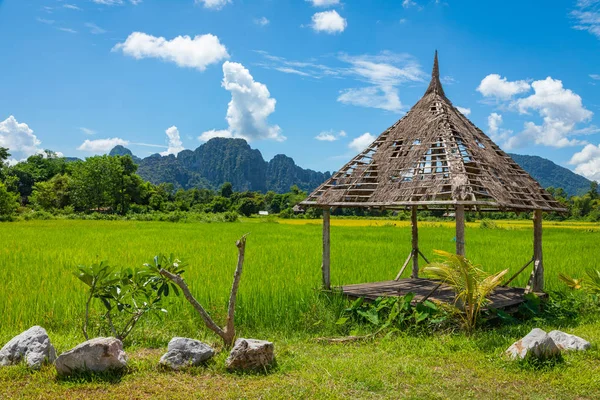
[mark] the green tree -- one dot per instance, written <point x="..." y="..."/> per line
<point x="226" y="190"/>
<point x="96" y="181"/>
<point x="9" y="202"/>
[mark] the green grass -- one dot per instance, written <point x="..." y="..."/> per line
<point x="278" y="301"/>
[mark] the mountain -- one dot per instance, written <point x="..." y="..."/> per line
<point x="226" y="160"/>
<point x="549" y="174"/>
<point x="233" y="160"/>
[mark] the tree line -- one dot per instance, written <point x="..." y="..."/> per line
<point x="110" y="184"/>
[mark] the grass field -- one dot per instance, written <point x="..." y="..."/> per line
<point x="278" y="301"/>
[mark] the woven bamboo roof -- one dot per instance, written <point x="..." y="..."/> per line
<point x="433" y="156"/>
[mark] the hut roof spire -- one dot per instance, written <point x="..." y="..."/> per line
<point x="433" y="157"/>
<point x="435" y="86"/>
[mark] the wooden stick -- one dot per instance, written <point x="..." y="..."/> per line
<point x="519" y="272"/>
<point x="460" y="229"/>
<point x="325" y="267"/>
<point x="415" y="243"/>
<point x="538" y="266"/>
<point x="404" y="266"/>
<point x="230" y="325"/>
<point x="424" y="258"/>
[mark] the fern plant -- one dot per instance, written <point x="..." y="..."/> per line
<point x="471" y="284"/>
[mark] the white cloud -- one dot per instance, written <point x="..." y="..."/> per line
<point x="595" y="77"/>
<point x="499" y="134"/>
<point x="465" y="111"/>
<point x="69" y="30"/>
<point x="587" y="16"/>
<point x="329" y="22"/>
<point x="213" y="4"/>
<point x="324" y="3"/>
<point x="94" y="29"/>
<point x="213" y="133"/>
<point x="18" y="138"/>
<point x="561" y="109"/>
<point x="262" y="21"/>
<point x="408" y="3"/>
<point x="249" y="108"/>
<point x="87" y="131"/>
<point x="330" y="136"/>
<point x="383" y="97"/>
<point x="587" y="162"/>
<point x="101" y="145"/>
<point x="362" y="142"/>
<point x="71" y="7"/>
<point x="494" y="122"/>
<point x="385" y="72"/>
<point x="45" y="21"/>
<point x="197" y="52"/>
<point x="495" y="86"/>
<point x="175" y="144"/>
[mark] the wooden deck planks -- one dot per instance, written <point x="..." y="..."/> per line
<point x="502" y="297"/>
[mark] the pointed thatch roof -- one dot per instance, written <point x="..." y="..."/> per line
<point x="434" y="156"/>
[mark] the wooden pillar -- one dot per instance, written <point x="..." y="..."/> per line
<point x="460" y="229"/>
<point x="538" y="263"/>
<point x="415" y="243"/>
<point x="326" y="250"/>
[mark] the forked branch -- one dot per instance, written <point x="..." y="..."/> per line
<point x="228" y="332"/>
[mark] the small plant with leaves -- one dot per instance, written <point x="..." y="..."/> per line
<point x="394" y="314"/>
<point x="591" y="284"/>
<point x="471" y="285"/>
<point x="127" y="294"/>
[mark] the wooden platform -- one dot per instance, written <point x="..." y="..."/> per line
<point x="503" y="297"/>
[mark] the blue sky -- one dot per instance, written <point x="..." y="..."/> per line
<point x="315" y="80"/>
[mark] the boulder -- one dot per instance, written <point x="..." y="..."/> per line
<point x="536" y="343"/>
<point x="564" y="341"/>
<point x="251" y="354"/>
<point x="33" y="346"/>
<point x="97" y="355"/>
<point x="183" y="352"/>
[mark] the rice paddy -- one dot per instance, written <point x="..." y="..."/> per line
<point x="281" y="274"/>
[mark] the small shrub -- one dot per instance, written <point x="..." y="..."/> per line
<point x="488" y="224"/>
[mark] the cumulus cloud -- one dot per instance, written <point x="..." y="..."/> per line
<point x="587" y="16"/>
<point x="213" y="133"/>
<point x="465" y="111"/>
<point x="494" y="85"/>
<point x="408" y="3"/>
<point x="213" y="4"/>
<point x="561" y="109"/>
<point x="197" y="52"/>
<point x="18" y="138"/>
<point x="329" y="22"/>
<point x="362" y="142"/>
<point x="175" y="144"/>
<point x="587" y="162"/>
<point x="330" y="136"/>
<point x="324" y="3"/>
<point x="249" y="108"/>
<point x="101" y="145"/>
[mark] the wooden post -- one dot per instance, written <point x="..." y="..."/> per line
<point x="460" y="229"/>
<point x="415" y="243"/>
<point x="538" y="263"/>
<point x="326" y="250"/>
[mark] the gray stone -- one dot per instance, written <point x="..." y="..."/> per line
<point x="536" y="343"/>
<point x="251" y="354"/>
<point x="33" y="345"/>
<point x="183" y="352"/>
<point x="97" y="355"/>
<point x="564" y="341"/>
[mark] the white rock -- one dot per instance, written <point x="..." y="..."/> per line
<point x="97" y="355"/>
<point x="564" y="341"/>
<point x="183" y="352"/>
<point x="537" y="344"/>
<point x="251" y="354"/>
<point x="33" y="345"/>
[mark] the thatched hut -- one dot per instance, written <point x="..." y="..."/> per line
<point x="433" y="158"/>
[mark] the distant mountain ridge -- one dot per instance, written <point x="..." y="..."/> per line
<point x="549" y="174"/>
<point x="223" y="160"/>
